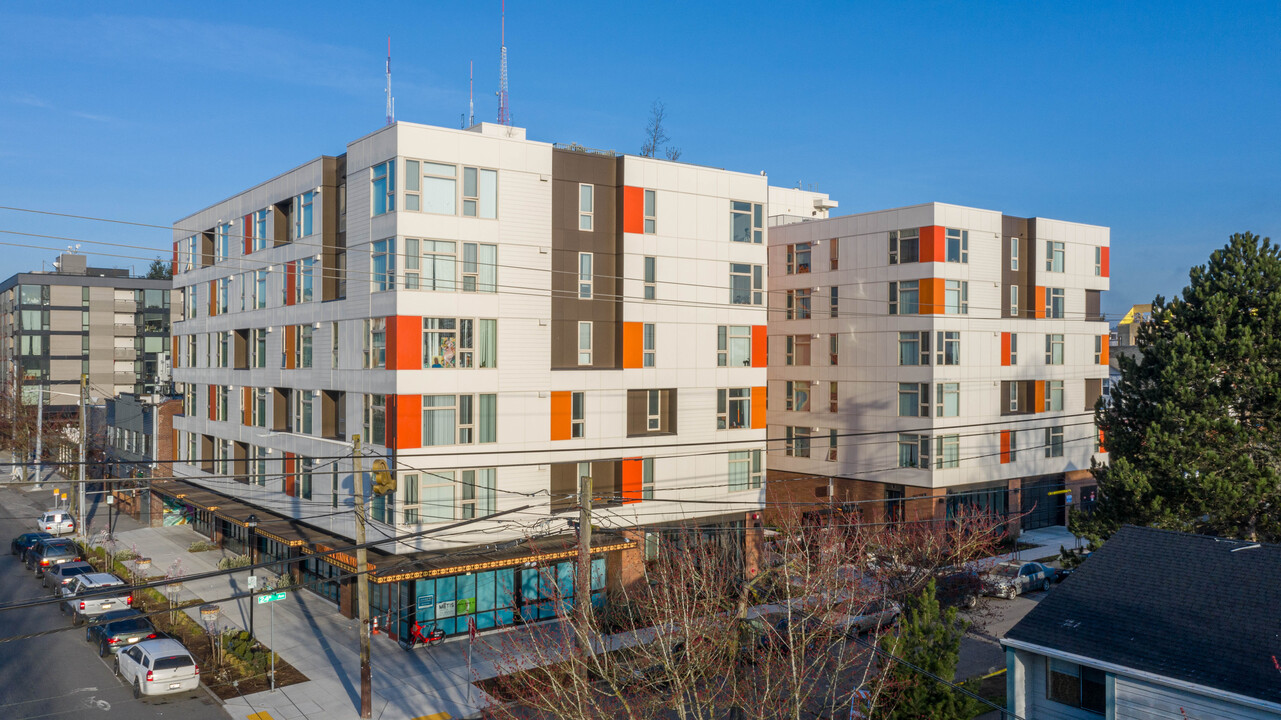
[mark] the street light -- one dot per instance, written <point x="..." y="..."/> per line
<point x="251" y="524"/>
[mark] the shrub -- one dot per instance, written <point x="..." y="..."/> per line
<point x="201" y="546"/>
<point x="125" y="555"/>
<point x="237" y="561"/>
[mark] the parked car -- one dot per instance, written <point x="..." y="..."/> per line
<point x="25" y="542"/>
<point x="58" y="522"/>
<point x="119" y="629"/>
<point x="876" y="615"/>
<point x="158" y="667"/>
<point x="960" y="588"/>
<point x="93" y="594"/>
<point x="50" y="552"/>
<point x="60" y="574"/>
<point x="1010" y="579"/>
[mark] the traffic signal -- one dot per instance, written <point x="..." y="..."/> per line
<point x="384" y="480"/>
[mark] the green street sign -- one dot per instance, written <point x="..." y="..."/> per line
<point x="271" y="597"/>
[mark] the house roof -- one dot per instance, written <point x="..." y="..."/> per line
<point x="1194" y="608"/>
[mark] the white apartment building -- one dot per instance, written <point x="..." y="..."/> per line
<point x="495" y="317"/>
<point x="938" y="352"/>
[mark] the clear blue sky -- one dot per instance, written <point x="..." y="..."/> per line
<point x="1156" y="119"/>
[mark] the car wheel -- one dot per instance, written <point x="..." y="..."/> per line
<point x="77" y="619"/>
<point x="102" y="648"/>
<point x="1045" y="585"/>
<point x="137" y="690"/>
<point x="115" y="667"/>
<point x="1010" y="592"/>
<point x="971" y="602"/>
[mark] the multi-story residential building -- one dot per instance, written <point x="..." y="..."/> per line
<point x="56" y="326"/>
<point x="495" y="317"/>
<point x="937" y="352"/>
<point x="138" y="443"/>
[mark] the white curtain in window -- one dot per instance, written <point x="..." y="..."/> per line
<point x="487" y="343"/>
<point x="437" y="502"/>
<point x="488" y="420"/>
<point x="439" y="416"/>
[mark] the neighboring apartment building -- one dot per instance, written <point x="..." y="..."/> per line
<point x="496" y="317"/>
<point x="937" y="352"/>
<point x="56" y="326"/>
<point x="138" y="442"/>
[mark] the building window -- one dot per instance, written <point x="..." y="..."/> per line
<point x="1054" y="441"/>
<point x="798" y="304"/>
<point x="478" y="490"/>
<point x="1014" y="397"/>
<point x="733" y="345"/>
<point x="304" y="350"/>
<point x="1054" y="395"/>
<point x="1076" y="685"/>
<point x="333" y="345"/>
<point x="222" y="349"/>
<point x="303" y="404"/>
<point x="1014" y="301"/>
<point x="798" y="395"/>
<point x="302" y="207"/>
<point x="747" y="222"/>
<point x="833" y="397"/>
<point x="1098" y="262"/>
<point x="647" y="344"/>
<point x="1053" y="256"/>
<point x="480" y="193"/>
<point x="1014" y="444"/>
<point x="653" y="410"/>
<point x="905" y="246"/>
<point x="734" y="408"/>
<point x="261" y="457"/>
<point x="376" y="419"/>
<point x="833" y="349"/>
<point x="745" y="471"/>
<point x="586" y="206"/>
<point x="585" y="275"/>
<point x="914" y="347"/>
<point x="798" y="258"/>
<point x="913" y="451"/>
<point x="383" y="187"/>
<point x="949" y="347"/>
<point x="835" y="302"/>
<point x="306" y="466"/>
<point x="221" y="403"/>
<point x="578" y="416"/>
<point x="259" y="289"/>
<point x="1098" y="349"/>
<point x="258" y="347"/>
<point x="1053" y="349"/>
<point x="958" y="246"/>
<point x="797" y="442"/>
<point x="383" y="256"/>
<point x="376" y="342"/>
<point x="1014" y="253"/>
<point x="956" y="297"/>
<point x="1054" y="303"/>
<point x="304" y="290"/>
<point x="947" y="451"/>
<point x="913" y="399"/>
<point x="439" y="188"/>
<point x="584" y="343"/>
<point x="222" y="241"/>
<point x="651" y="277"/>
<point x="1014" y="348"/>
<point x="258" y="412"/>
<point x="260" y="231"/>
<point x="746" y="283"/>
<point x="460" y="419"/>
<point x="905" y="297"/>
<point x="948" y="400"/>
<point x="798" y="350"/>
<point x="651" y="212"/>
<point x="647" y="479"/>
<point x="436" y="496"/>
<point x="834" y="254"/>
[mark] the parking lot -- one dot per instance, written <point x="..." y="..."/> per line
<point x="60" y="675"/>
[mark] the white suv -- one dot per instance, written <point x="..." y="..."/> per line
<point x="158" y="667"/>
<point x="57" y="522"/>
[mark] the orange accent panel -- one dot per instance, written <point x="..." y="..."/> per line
<point x="291" y="471"/>
<point x="758" y="408"/>
<point x="1005" y="446"/>
<point x="1104" y="356"/>
<point x="174" y="269"/>
<point x="407" y="419"/>
<point x="404" y="342"/>
<point x="562" y="414"/>
<point x="1005" y="348"/>
<point x="213" y="298"/>
<point x="633" y="209"/>
<point x="291" y="279"/>
<point x="633" y="344"/>
<point x="1102" y="447"/>
<point x="760" y="346"/>
<point x="1039" y="401"/>
<point x="933" y="243"/>
<point x="291" y="345"/>
<point x="246" y="406"/>
<point x="1105" y="262"/>
<point x="213" y="402"/>
<point x="1038" y="301"/>
<point x="173" y="356"/>
<point x="931" y="299"/>
<point x="633" y="478"/>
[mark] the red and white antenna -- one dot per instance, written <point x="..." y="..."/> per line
<point x="391" y="101"/>
<point x="504" y="111"/>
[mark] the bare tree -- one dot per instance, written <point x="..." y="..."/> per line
<point x="656" y="137"/>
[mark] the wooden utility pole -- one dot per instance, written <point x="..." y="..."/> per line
<point x="583" y="583"/>
<point x="362" y="583"/>
<point x="82" y="474"/>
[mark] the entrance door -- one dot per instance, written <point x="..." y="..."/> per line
<point x="1040" y="508"/>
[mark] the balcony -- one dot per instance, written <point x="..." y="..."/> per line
<point x="123" y="330"/>
<point x="125" y="306"/>
<point x="124" y="354"/>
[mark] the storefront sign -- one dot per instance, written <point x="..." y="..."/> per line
<point x="445" y="609"/>
<point x="466" y="606"/>
<point x="426" y="602"/>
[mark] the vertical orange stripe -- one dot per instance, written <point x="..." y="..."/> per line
<point x="213" y="402"/>
<point x="1005" y="349"/>
<point x="404" y="340"/>
<point x="291" y="345"/>
<point x="213" y="298"/>
<point x="760" y="346"/>
<point x="1102" y="447"/>
<point x="1039" y="400"/>
<point x="633" y="209"/>
<point x="291" y="475"/>
<point x="1106" y="262"/>
<point x="246" y="406"/>
<point x="249" y="231"/>
<point x="632" y="480"/>
<point x="407" y="432"/>
<point x="291" y="275"/>
<point x="1038" y="301"/>
<point x="562" y="417"/>
<point x="174" y="269"/>
<point x="1104" y="356"/>
<point x="1005" y="446"/>
<point x="633" y="344"/>
<point x="932" y="297"/>
<point x="933" y="243"/>
<point x="758" y="408"/>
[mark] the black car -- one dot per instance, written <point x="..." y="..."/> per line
<point x="25" y="542"/>
<point x="958" y="588"/>
<point x="119" y="628"/>
<point x="52" y="551"/>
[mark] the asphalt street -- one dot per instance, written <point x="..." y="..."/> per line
<point x="60" y="675"/>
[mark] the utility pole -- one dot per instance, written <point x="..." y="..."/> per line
<point x="583" y="583"/>
<point x="84" y="445"/>
<point x="39" y="431"/>
<point x="362" y="582"/>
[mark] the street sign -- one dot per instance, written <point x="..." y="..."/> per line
<point x="271" y="597"/>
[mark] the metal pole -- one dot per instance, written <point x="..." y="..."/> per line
<point x="583" y="583"/>
<point x="271" y="641"/>
<point x="251" y="523"/>
<point x="82" y="473"/>
<point x="362" y="583"/>
<point x="39" y="433"/>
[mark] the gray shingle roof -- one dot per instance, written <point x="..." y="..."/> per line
<point x="1174" y="604"/>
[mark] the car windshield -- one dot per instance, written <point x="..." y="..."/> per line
<point x="73" y="570"/>
<point x="172" y="663"/>
<point x="130" y="625"/>
<point x="1005" y="571"/>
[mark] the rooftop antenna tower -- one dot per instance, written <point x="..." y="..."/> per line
<point x="471" y="93"/>
<point x="391" y="101"/>
<point x="504" y="112"/>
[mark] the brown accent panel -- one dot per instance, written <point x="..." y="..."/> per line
<point x="291" y="345"/>
<point x="207" y="248"/>
<point x="564" y="486"/>
<point x="206" y="453"/>
<point x="638" y="412"/>
<point x="604" y="309"/>
<point x="605" y="484"/>
<point x="1093" y="313"/>
<point x="280" y="223"/>
<point x="241" y="350"/>
<point x="333" y="237"/>
<point x="1016" y="231"/>
<point x="240" y="461"/>
<point x="246" y="406"/>
<point x="1093" y="391"/>
<point x="562" y="415"/>
<point x="1024" y="388"/>
<point x="280" y="409"/>
<point x="329" y="407"/>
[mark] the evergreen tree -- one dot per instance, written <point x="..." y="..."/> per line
<point x="1194" y="431"/>
<point x="929" y="638"/>
<point x="159" y="270"/>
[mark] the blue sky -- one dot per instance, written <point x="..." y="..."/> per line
<point x="1156" y="119"/>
